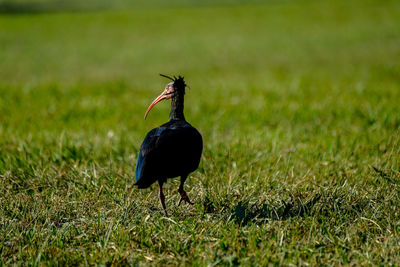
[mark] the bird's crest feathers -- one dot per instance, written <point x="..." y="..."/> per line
<point x="179" y="81"/>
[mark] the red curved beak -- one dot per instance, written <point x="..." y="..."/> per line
<point x="158" y="99"/>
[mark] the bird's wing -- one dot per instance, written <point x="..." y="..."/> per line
<point x="148" y="145"/>
<point x="166" y="150"/>
<point x="139" y="167"/>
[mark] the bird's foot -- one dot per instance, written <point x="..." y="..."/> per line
<point x="185" y="198"/>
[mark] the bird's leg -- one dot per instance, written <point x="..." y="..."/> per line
<point x="161" y="196"/>
<point x="182" y="192"/>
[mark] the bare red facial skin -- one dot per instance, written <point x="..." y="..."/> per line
<point x="167" y="94"/>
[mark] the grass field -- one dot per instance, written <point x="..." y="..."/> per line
<point x="298" y="103"/>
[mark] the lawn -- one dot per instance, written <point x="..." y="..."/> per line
<point x="298" y="103"/>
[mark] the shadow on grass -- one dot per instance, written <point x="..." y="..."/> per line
<point x="244" y="213"/>
<point x="322" y="204"/>
<point x="387" y="176"/>
<point x="38" y="7"/>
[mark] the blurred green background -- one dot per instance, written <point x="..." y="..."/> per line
<point x="297" y="102"/>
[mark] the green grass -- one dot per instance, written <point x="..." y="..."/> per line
<point x="298" y="103"/>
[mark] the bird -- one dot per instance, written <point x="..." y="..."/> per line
<point x="171" y="150"/>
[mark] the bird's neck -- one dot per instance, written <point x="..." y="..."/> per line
<point x="176" y="112"/>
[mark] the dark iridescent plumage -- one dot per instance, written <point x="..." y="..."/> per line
<point x="171" y="150"/>
<point x="168" y="151"/>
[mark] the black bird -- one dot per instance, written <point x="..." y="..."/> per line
<point x="171" y="150"/>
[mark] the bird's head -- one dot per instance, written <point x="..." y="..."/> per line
<point x="172" y="90"/>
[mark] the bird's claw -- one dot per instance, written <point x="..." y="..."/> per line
<point x="185" y="198"/>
